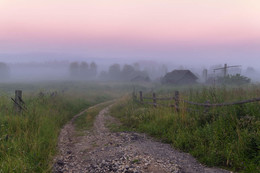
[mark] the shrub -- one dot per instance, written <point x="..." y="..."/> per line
<point x="233" y="80"/>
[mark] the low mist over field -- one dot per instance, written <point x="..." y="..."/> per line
<point x="101" y="69"/>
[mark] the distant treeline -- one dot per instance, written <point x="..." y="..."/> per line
<point x="127" y="73"/>
<point x="83" y="70"/>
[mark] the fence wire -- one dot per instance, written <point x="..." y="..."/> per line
<point x="205" y="105"/>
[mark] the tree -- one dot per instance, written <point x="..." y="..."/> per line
<point x="114" y="71"/>
<point x="74" y="69"/>
<point x="234" y="80"/>
<point x="93" y="69"/>
<point x="127" y="71"/>
<point x="83" y="68"/>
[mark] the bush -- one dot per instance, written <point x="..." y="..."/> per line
<point x="233" y="80"/>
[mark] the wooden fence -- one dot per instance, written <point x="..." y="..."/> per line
<point x="176" y="101"/>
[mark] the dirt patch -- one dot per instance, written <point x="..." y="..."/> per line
<point x="100" y="150"/>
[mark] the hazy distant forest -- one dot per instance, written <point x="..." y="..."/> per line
<point x="144" y="71"/>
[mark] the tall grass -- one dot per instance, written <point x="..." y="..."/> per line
<point x="28" y="141"/>
<point x="225" y="137"/>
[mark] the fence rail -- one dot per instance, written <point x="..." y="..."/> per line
<point x="224" y="104"/>
<point x="176" y="99"/>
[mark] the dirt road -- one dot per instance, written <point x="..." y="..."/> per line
<point x="100" y="150"/>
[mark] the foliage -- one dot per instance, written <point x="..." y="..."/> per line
<point x="83" y="70"/>
<point x="128" y="73"/>
<point x="93" y="69"/>
<point x="233" y="80"/>
<point x="114" y="71"/>
<point x="225" y="137"/>
<point x="28" y="141"/>
<point x="74" y="69"/>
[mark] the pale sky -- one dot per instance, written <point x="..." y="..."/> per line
<point x="132" y="27"/>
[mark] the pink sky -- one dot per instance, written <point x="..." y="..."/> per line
<point x="111" y="24"/>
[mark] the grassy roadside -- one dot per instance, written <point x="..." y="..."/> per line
<point x="228" y="137"/>
<point x="28" y="141"/>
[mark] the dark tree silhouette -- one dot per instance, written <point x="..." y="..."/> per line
<point x="93" y="69"/>
<point x="114" y="71"/>
<point x="233" y="80"/>
<point x="127" y="71"/>
<point x="74" y="69"/>
<point x="83" y="69"/>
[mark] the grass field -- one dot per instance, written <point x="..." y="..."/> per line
<point x="28" y="140"/>
<point x="227" y="137"/>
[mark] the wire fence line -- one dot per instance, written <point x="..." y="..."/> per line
<point x="224" y="104"/>
<point x="177" y="100"/>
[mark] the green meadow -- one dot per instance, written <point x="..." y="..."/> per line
<point x="227" y="137"/>
<point x="28" y="141"/>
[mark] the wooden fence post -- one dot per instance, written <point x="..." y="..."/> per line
<point x="18" y="101"/>
<point x="141" y="97"/>
<point x="177" y="101"/>
<point x="154" y="100"/>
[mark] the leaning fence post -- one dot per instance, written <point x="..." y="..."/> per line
<point x="18" y="99"/>
<point x="141" y="96"/>
<point x="154" y="100"/>
<point x="177" y="101"/>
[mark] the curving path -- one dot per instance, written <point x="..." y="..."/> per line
<point x="100" y="150"/>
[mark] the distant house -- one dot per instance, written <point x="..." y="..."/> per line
<point x="179" y="77"/>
